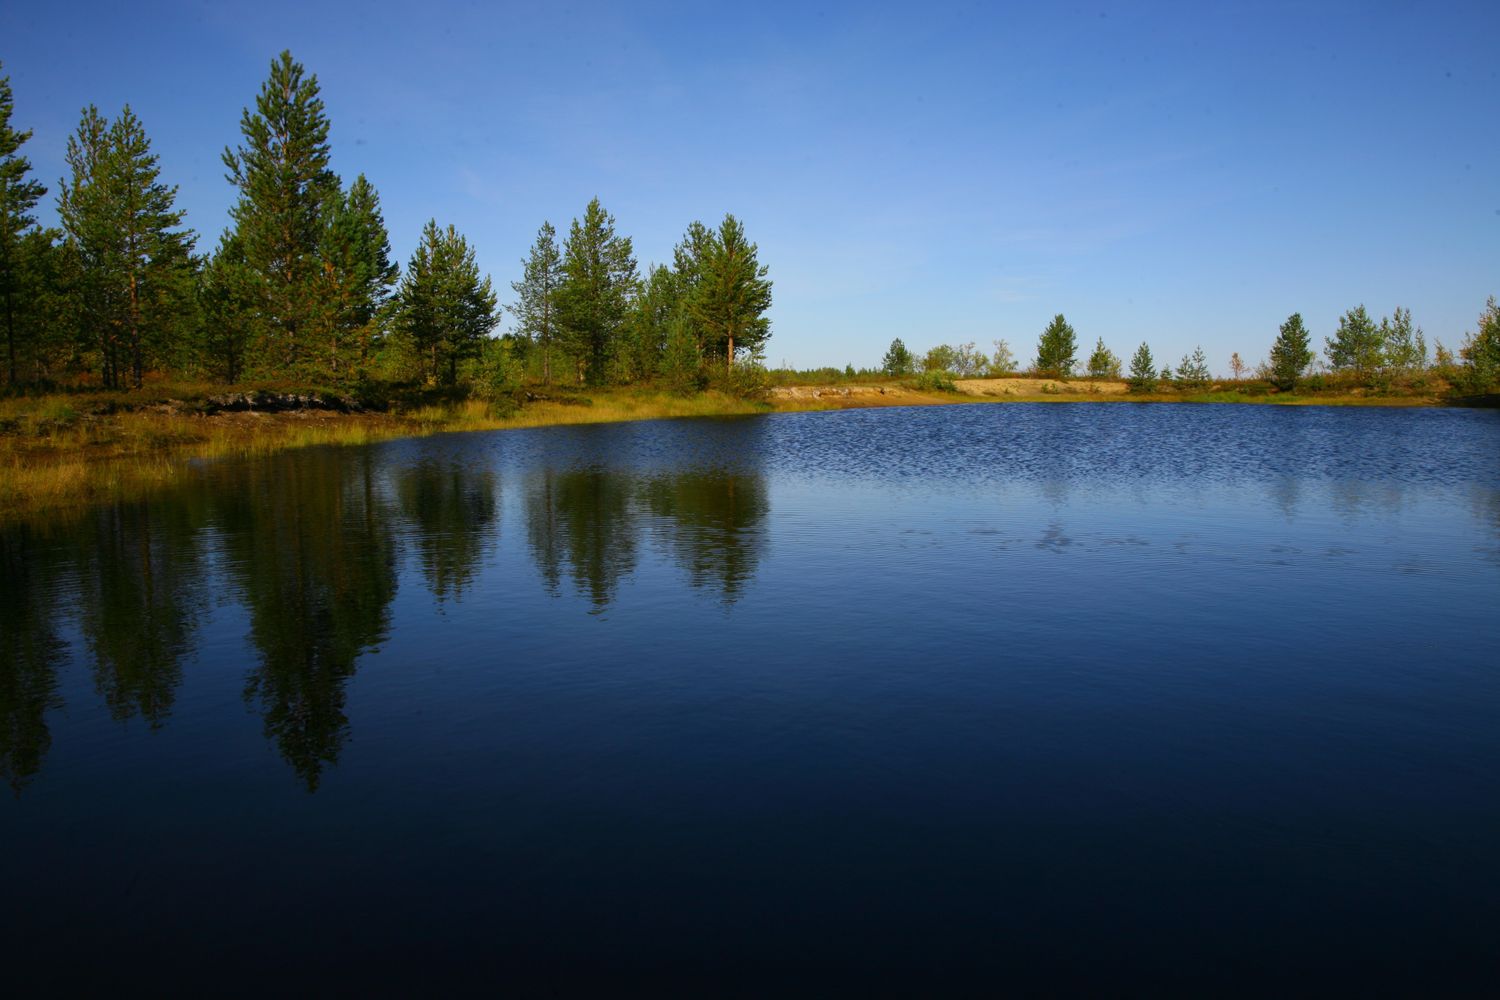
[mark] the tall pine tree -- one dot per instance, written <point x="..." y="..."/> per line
<point x="136" y="261"/>
<point x="1291" y="354"/>
<point x="357" y="277"/>
<point x="226" y="300"/>
<point x="18" y="196"/>
<point x="689" y="259"/>
<point x="649" y="323"/>
<point x="732" y="295"/>
<point x="599" y="275"/>
<point x="1142" y="370"/>
<point x="285" y="184"/>
<point x="1357" y="346"/>
<point x="536" y="295"/>
<point x="1056" y="349"/>
<point x="444" y="308"/>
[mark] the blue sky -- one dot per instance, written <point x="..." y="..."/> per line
<point x="1180" y="174"/>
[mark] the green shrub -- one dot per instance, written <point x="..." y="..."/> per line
<point x="934" y="381"/>
<point x="746" y="380"/>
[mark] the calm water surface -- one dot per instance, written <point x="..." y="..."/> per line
<point x="1091" y="696"/>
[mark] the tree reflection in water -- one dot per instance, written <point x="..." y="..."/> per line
<point x="310" y="550"/>
<point x="141" y="597"/>
<point x="713" y="524"/>
<point x="584" y="521"/>
<point x="452" y="508"/>
<point x="30" y="650"/>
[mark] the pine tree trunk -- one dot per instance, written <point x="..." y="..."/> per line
<point x="729" y="358"/>
<point x="546" y="348"/>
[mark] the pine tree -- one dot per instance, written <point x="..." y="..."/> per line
<point x="732" y="296"/>
<point x="1103" y="363"/>
<point x="226" y="301"/>
<point x="1192" y="372"/>
<point x="1291" y="354"/>
<point x="1056" y="349"/>
<point x="646" y="331"/>
<point x="689" y="259"/>
<point x="897" y="360"/>
<point x="1142" y="370"/>
<point x="536" y="302"/>
<point x="1358" y="346"/>
<point x="137" y="262"/>
<point x="1405" y="346"/>
<point x="444" y="308"/>
<point x="285" y="184"/>
<point x="17" y="198"/>
<point x="599" y="274"/>
<point x="356" y="279"/>
<point x="681" y="361"/>
<point x="43" y="303"/>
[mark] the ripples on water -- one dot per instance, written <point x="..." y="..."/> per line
<point x="1175" y="694"/>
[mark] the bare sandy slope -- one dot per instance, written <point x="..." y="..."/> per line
<point x="834" y="393"/>
<point x="1037" y="387"/>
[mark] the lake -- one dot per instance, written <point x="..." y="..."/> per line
<point x="1084" y="696"/>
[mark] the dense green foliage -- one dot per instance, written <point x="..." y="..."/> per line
<point x="959" y="360"/>
<point x="1358" y="346"/>
<point x="898" y="360"/>
<point x="731" y="294"/>
<point x="1103" y="363"/>
<point x="1142" y="370"/>
<point x="1192" y="372"/>
<point x="536" y="295"/>
<point x="599" y="275"/>
<point x="134" y="263"/>
<point x="18" y="196"/>
<point x="1481" y="351"/>
<point x="1056" y="349"/>
<point x="444" y="308"/>
<point x="285" y="183"/>
<point x="356" y="279"/>
<point x="1291" y="354"/>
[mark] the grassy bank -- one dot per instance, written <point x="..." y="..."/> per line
<point x="72" y="449"/>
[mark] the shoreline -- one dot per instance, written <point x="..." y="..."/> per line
<point x="54" y="459"/>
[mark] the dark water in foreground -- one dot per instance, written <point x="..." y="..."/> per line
<point x="1072" y="696"/>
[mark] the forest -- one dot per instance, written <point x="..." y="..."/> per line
<point x="301" y="288"/>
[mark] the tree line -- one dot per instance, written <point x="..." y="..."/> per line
<point x="301" y="285"/>
<point x="1361" y="350"/>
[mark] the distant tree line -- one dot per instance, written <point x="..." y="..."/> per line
<point x="1362" y="352"/>
<point x="301" y="285"/>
